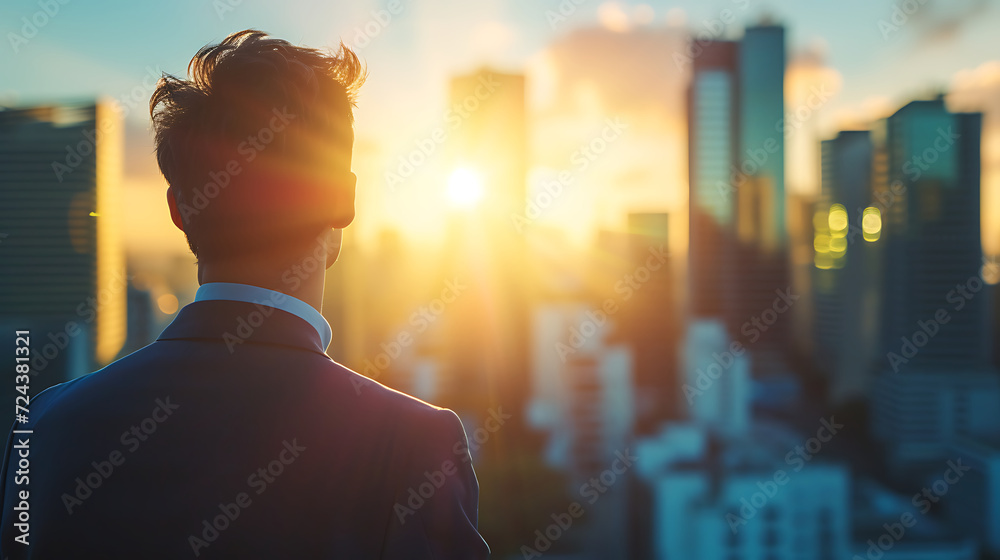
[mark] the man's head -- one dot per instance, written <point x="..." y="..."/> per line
<point x="256" y="145"/>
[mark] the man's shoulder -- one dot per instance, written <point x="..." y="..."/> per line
<point x="322" y="378"/>
<point x="407" y="406"/>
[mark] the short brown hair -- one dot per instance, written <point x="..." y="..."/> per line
<point x="211" y="128"/>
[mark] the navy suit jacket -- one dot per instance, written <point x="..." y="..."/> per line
<point x="234" y="435"/>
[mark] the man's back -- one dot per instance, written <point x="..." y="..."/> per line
<point x="223" y="442"/>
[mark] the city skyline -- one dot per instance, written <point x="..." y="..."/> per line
<point x="690" y="289"/>
<point x="560" y="63"/>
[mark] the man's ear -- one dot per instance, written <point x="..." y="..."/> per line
<point x="343" y="202"/>
<point x="175" y="213"/>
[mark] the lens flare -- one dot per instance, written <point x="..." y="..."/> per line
<point x="465" y="188"/>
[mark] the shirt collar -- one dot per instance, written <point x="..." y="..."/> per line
<point x="262" y="296"/>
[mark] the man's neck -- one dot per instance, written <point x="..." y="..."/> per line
<point x="290" y="280"/>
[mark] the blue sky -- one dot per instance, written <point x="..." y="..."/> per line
<point x="105" y="46"/>
<point x="109" y="47"/>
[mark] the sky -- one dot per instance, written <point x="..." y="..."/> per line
<point x="595" y="61"/>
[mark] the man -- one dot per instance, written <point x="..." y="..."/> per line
<point x="234" y="435"/>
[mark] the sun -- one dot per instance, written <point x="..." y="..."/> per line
<point x="465" y="187"/>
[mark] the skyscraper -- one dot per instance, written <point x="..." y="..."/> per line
<point x="931" y="230"/>
<point x="737" y="199"/>
<point x="649" y="322"/>
<point x="761" y="72"/>
<point x="759" y="259"/>
<point x="713" y="141"/>
<point x="62" y="274"/>
<point x="488" y="328"/>
<point x="936" y="383"/>
<point x="845" y="266"/>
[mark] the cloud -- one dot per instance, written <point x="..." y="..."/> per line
<point x="628" y="72"/>
<point x="612" y="16"/>
<point x="940" y="21"/>
<point x="618" y="17"/>
<point x="614" y="72"/>
<point x="864" y="114"/>
<point x="806" y="73"/>
<point x="491" y="38"/>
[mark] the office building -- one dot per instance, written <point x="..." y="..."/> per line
<point x="63" y="272"/>
<point x="919" y="414"/>
<point x="717" y="501"/>
<point x="890" y="525"/>
<point x="760" y="258"/>
<point x="974" y="501"/>
<point x="649" y="320"/>
<point x="931" y="235"/>
<point x="583" y="393"/>
<point x="713" y="141"/>
<point x="761" y="73"/>
<point x="845" y="267"/>
<point x="738" y="238"/>
<point x="717" y="388"/>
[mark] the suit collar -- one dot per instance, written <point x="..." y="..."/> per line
<point x="235" y="323"/>
<point x="255" y="294"/>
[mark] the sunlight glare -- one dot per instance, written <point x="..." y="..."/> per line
<point x="465" y="187"/>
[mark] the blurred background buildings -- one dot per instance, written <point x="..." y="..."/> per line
<point x="757" y="373"/>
